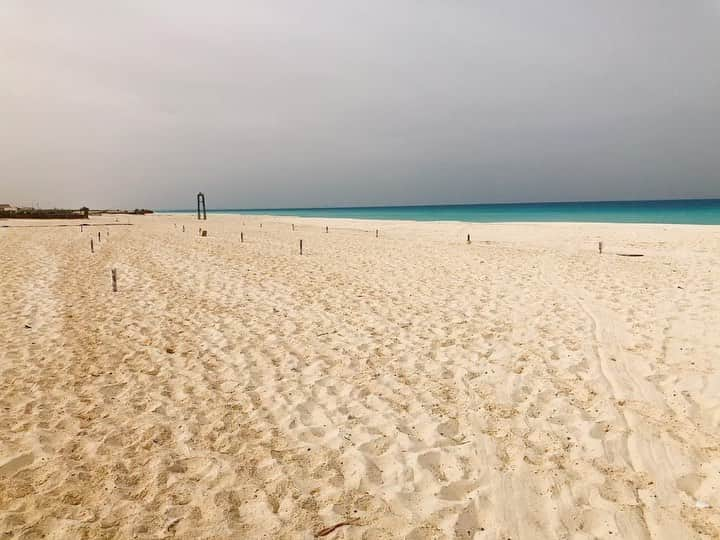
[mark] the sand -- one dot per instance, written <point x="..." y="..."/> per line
<point x="409" y="386"/>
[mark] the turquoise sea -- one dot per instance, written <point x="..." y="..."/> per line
<point x="691" y="211"/>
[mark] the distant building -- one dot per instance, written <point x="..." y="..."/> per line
<point x="7" y="208"/>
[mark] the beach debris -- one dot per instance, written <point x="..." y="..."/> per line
<point x="183" y="228"/>
<point x="629" y="254"/>
<point x="293" y="226"/>
<point x="701" y="504"/>
<point x="300" y="247"/>
<point x="28" y="326"/>
<point x="169" y="350"/>
<point x="376" y="233"/>
<point x="172" y="524"/>
<point x="468" y="239"/>
<point x="113" y="272"/>
<point x="600" y="248"/>
<point x="92" y="247"/>
<point x="203" y="233"/>
<point x="98" y="237"/>
<point x="242" y="238"/>
<point x="327" y="229"/>
<point x="333" y="528"/>
<point x="327" y="333"/>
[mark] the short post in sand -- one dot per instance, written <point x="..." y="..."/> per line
<point x="327" y="229"/>
<point x="300" y="247"/>
<point x="468" y="239"/>
<point x="203" y="233"/>
<point x="600" y="248"/>
<point x="242" y="238"/>
<point x="376" y="233"/>
<point x="183" y="228"/>
<point x="293" y="227"/>
<point x="114" y="279"/>
<point x="92" y="247"/>
<point x="98" y="237"/>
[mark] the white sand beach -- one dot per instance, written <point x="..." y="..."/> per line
<point x="410" y="386"/>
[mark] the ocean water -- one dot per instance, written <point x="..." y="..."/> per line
<point x="690" y="211"/>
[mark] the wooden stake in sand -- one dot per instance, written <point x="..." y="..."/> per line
<point x="92" y="247"/>
<point x="242" y="239"/>
<point x="327" y="230"/>
<point x="98" y="237"/>
<point x="376" y="233"/>
<point x="600" y="248"/>
<point x="183" y="228"/>
<point x="468" y="240"/>
<point x="300" y="247"/>
<point x="293" y="227"/>
<point x="114" y="279"/>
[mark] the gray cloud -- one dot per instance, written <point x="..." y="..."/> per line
<point x="290" y="103"/>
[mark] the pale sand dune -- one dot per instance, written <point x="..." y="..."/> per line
<point x="522" y="386"/>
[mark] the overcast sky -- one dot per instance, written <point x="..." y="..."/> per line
<point x="325" y="102"/>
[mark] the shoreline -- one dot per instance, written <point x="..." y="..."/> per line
<point x="678" y="211"/>
<point x="285" y="218"/>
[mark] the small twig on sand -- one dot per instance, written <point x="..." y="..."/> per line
<point x="170" y="526"/>
<point x="459" y="442"/>
<point x="328" y="530"/>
